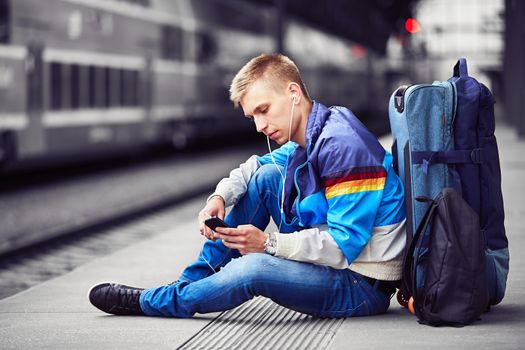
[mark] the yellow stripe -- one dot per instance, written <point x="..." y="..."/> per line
<point x="360" y="182"/>
<point x="355" y="186"/>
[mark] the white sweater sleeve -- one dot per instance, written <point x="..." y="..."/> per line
<point x="312" y="246"/>
<point x="233" y="187"/>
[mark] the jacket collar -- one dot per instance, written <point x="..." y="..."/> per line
<point x="316" y="121"/>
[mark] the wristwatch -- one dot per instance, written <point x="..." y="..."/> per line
<point x="270" y="245"/>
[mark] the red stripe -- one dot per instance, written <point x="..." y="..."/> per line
<point x="357" y="176"/>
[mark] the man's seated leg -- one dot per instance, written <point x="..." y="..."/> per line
<point x="312" y="289"/>
<point x="260" y="201"/>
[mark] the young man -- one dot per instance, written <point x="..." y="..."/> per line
<point x="332" y="192"/>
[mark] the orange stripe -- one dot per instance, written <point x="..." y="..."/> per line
<point x="355" y="186"/>
<point x="361" y="182"/>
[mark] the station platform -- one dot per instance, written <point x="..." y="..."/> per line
<point x="57" y="314"/>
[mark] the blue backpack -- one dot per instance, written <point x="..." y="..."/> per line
<point x="444" y="137"/>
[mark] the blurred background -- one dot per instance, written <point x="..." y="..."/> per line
<point x="109" y="108"/>
<point x="90" y="78"/>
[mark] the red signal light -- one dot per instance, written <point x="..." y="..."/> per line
<point x="358" y="51"/>
<point x="412" y="26"/>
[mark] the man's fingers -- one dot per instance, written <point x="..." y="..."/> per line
<point x="209" y="233"/>
<point x="204" y="230"/>
<point x="200" y="218"/>
<point x="231" y="231"/>
<point x="240" y="239"/>
<point x="233" y="245"/>
<point x="223" y="230"/>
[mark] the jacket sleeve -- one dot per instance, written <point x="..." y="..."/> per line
<point x="312" y="245"/>
<point x="233" y="187"/>
<point x="280" y="155"/>
<point x="354" y="178"/>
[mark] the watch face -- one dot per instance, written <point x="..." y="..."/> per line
<point x="270" y="247"/>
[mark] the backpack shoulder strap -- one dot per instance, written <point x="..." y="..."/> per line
<point x="410" y="262"/>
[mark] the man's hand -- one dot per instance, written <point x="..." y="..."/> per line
<point x="245" y="238"/>
<point x="214" y="207"/>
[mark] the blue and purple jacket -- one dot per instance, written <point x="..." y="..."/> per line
<point x="344" y="180"/>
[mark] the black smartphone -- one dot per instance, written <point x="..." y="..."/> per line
<point x="214" y="222"/>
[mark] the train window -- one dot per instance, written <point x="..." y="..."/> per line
<point x="123" y="87"/>
<point x="206" y="47"/>
<point x="172" y="43"/>
<point x="56" y="85"/>
<point x="96" y="86"/>
<point x="66" y="86"/>
<point x="83" y="87"/>
<point x="4" y="21"/>
<point x="107" y="87"/>
<point x="75" y="86"/>
<point x="128" y="87"/>
<point x="136" y="87"/>
<point x="91" y="86"/>
<point x="115" y="91"/>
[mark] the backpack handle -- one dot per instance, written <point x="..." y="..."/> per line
<point x="399" y="101"/>
<point x="460" y="69"/>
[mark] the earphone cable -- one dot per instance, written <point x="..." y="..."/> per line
<point x="283" y="177"/>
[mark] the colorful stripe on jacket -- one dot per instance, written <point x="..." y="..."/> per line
<point x="359" y="179"/>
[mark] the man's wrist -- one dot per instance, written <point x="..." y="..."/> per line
<point x="216" y="195"/>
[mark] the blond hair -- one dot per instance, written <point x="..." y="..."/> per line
<point x="275" y="68"/>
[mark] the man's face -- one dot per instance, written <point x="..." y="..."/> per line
<point x="270" y="109"/>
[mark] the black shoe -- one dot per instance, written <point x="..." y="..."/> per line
<point x="116" y="299"/>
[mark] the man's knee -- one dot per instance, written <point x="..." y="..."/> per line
<point x="252" y="268"/>
<point x="267" y="176"/>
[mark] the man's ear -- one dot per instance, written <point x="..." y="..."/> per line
<point x="295" y="92"/>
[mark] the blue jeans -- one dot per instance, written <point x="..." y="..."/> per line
<point x="316" y="290"/>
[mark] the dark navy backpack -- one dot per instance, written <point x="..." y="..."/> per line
<point x="444" y="268"/>
<point x="444" y="137"/>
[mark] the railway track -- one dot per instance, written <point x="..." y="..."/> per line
<point x="32" y="266"/>
<point x="54" y="224"/>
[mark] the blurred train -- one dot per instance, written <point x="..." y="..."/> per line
<point x="91" y="77"/>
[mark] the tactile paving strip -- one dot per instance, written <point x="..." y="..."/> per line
<point x="262" y="324"/>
